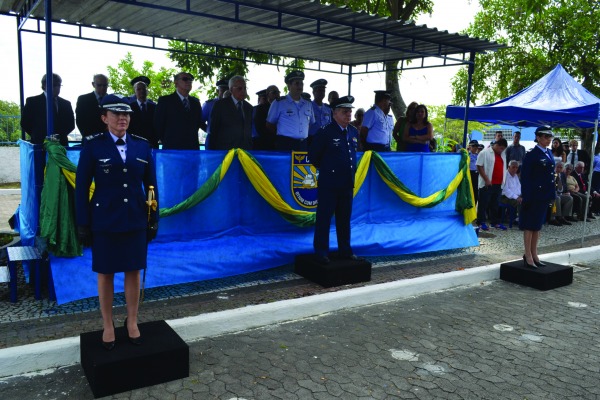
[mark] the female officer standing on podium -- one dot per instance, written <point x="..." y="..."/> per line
<point x="538" y="192"/>
<point x="116" y="221"/>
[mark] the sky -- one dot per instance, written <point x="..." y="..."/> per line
<point x="76" y="61"/>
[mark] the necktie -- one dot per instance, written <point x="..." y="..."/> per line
<point x="239" y="109"/>
<point x="120" y="142"/>
<point x="186" y="104"/>
<point x="56" y="105"/>
<point x="143" y="107"/>
<point x="573" y="158"/>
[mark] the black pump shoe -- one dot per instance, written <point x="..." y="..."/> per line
<point x="109" y="345"/>
<point x="137" y="340"/>
<point x="529" y="265"/>
<point x="539" y="263"/>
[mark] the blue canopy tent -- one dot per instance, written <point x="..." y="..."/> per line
<point x="556" y="99"/>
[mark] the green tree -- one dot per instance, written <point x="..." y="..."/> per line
<point x="539" y="34"/>
<point x="161" y="81"/>
<point x="10" y="121"/>
<point x="449" y="131"/>
<point x="210" y="68"/>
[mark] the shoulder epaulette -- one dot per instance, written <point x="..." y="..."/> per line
<point x="138" y="137"/>
<point x="94" y="136"/>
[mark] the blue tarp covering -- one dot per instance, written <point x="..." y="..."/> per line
<point x="235" y="231"/>
<point x="556" y="99"/>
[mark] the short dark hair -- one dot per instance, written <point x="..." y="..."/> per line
<point x="502" y="142"/>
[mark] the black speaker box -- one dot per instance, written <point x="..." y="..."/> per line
<point x="338" y="272"/>
<point x="162" y="357"/>
<point x="548" y="277"/>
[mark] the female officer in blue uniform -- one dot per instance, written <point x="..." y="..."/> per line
<point x="333" y="151"/>
<point x="115" y="221"/>
<point x="538" y="192"/>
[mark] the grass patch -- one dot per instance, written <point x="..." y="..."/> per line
<point x="6" y="238"/>
<point x="10" y="185"/>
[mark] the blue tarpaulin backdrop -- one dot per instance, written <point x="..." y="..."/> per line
<point x="235" y="231"/>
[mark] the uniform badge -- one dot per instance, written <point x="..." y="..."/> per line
<point x="304" y="180"/>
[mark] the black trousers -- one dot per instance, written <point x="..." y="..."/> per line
<point x="488" y="204"/>
<point x="338" y="201"/>
<point x="285" y="143"/>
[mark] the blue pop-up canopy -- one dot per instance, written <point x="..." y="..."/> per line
<point x="556" y="99"/>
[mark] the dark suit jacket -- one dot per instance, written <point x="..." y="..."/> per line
<point x="537" y="177"/>
<point x="582" y="155"/>
<point x="176" y="127"/>
<point x="142" y="123"/>
<point x="87" y="115"/>
<point x="266" y="138"/>
<point x="118" y="203"/>
<point x="228" y="130"/>
<point x="33" y="119"/>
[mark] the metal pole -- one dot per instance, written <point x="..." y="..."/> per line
<point x="20" y="55"/>
<point x="469" y="85"/>
<point x="49" y="80"/>
<point x="591" y="167"/>
<point x="349" y="79"/>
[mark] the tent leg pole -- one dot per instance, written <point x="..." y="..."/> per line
<point x="469" y="85"/>
<point x="591" y="167"/>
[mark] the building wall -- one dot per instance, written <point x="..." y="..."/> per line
<point x="10" y="169"/>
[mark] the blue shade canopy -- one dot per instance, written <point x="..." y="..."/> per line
<point x="556" y="100"/>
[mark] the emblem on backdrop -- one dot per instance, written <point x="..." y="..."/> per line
<point x="304" y="180"/>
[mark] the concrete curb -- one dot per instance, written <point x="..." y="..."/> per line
<point x="64" y="352"/>
<point x="9" y="191"/>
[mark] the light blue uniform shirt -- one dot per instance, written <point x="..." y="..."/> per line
<point x="292" y="118"/>
<point x="380" y="126"/>
<point x="322" y="117"/>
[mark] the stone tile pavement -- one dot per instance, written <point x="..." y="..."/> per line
<point x="490" y="341"/>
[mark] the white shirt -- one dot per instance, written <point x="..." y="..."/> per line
<point x="486" y="158"/>
<point x="512" y="186"/>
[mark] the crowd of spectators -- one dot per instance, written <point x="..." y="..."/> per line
<point x="495" y="176"/>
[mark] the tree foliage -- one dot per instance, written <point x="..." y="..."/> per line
<point x="161" y="81"/>
<point x="211" y="63"/>
<point x="10" y="121"/>
<point x="449" y="132"/>
<point x="539" y="34"/>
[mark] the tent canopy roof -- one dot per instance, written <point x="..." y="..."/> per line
<point x="290" y="28"/>
<point x="556" y="99"/>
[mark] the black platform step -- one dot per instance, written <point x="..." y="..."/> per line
<point x="162" y="357"/>
<point x="337" y="273"/>
<point x="543" y="278"/>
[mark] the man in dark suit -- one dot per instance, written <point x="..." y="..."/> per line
<point x="333" y="152"/>
<point x="574" y="155"/>
<point x="582" y="181"/>
<point x="265" y="139"/>
<point x="142" y="118"/>
<point x="178" y="116"/>
<point x="87" y="111"/>
<point x="231" y="119"/>
<point x="33" y="118"/>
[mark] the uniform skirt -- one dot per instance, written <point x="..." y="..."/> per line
<point x="533" y="215"/>
<point x="119" y="251"/>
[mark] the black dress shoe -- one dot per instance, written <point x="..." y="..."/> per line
<point x="564" y="221"/>
<point x="133" y="340"/>
<point x="323" y="260"/>
<point x="554" y="222"/>
<point x="109" y="345"/>
<point x="529" y="265"/>
<point x="569" y="218"/>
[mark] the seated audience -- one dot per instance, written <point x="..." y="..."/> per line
<point x="573" y="189"/>
<point x="511" y="192"/>
<point x="563" y="209"/>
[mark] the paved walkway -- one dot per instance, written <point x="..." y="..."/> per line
<point x="492" y="341"/>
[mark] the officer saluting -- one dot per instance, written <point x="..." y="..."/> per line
<point x="333" y="152"/>
<point x="290" y="116"/>
<point x="378" y="124"/>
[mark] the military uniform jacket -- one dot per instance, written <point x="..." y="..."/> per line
<point x="334" y="154"/>
<point x="292" y="118"/>
<point x="380" y="126"/>
<point x="119" y="200"/>
<point x="322" y="117"/>
<point x="176" y="127"/>
<point x="537" y="176"/>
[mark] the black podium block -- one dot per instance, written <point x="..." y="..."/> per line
<point x="337" y="272"/>
<point x="162" y="357"/>
<point x="543" y="278"/>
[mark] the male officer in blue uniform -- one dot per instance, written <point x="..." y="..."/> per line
<point x="333" y="152"/>
<point x="321" y="110"/>
<point x="290" y="116"/>
<point x="378" y="124"/>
